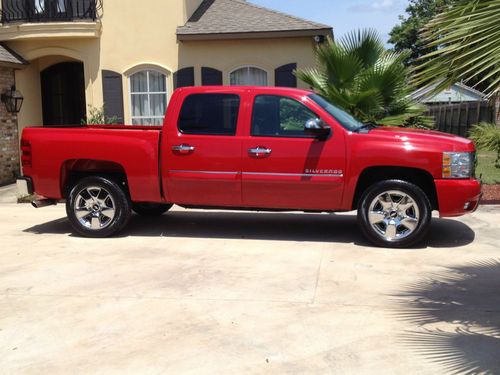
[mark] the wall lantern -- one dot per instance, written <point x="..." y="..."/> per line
<point x="13" y="100"/>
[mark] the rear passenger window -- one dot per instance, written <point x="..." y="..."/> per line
<point x="209" y="114"/>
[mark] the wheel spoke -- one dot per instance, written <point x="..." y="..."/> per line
<point x="82" y="213"/>
<point x="410" y="223"/>
<point x="386" y="202"/>
<point x="108" y="212"/>
<point x="94" y="196"/>
<point x="95" y="223"/>
<point x="376" y="217"/>
<point x="406" y="203"/>
<point x="391" y="231"/>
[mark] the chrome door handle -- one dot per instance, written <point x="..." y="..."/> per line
<point x="260" y="151"/>
<point x="183" y="148"/>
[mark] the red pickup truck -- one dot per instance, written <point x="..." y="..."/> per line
<point x="253" y="148"/>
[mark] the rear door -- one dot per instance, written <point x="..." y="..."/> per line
<point x="283" y="167"/>
<point x="203" y="150"/>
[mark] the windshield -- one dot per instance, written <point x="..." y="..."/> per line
<point x="344" y="118"/>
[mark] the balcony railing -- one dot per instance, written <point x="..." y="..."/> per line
<point x="50" y="10"/>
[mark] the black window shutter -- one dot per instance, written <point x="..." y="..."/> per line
<point x="211" y="77"/>
<point x="284" y="77"/>
<point x="184" y="77"/>
<point x="113" y="95"/>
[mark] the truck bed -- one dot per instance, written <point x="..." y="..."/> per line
<point x="57" y="153"/>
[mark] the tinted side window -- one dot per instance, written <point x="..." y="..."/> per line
<point x="209" y="114"/>
<point x="279" y="116"/>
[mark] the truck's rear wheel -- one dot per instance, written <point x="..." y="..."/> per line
<point x="151" y="209"/>
<point x="394" y="214"/>
<point x="97" y="207"/>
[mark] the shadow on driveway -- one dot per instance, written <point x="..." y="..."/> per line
<point x="265" y="226"/>
<point x="467" y="301"/>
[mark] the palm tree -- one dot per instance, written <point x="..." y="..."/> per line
<point x="359" y="75"/>
<point x="468" y="39"/>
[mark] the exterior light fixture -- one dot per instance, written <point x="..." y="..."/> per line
<point x="13" y="100"/>
<point x="319" y="39"/>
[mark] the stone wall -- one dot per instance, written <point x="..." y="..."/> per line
<point x="9" y="140"/>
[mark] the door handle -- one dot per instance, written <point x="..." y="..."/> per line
<point x="260" y="152"/>
<point x="183" y="149"/>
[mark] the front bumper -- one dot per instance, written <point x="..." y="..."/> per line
<point x="457" y="197"/>
<point x="24" y="186"/>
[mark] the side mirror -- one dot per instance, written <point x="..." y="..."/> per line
<point x="318" y="128"/>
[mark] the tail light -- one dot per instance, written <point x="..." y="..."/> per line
<point x="26" y="156"/>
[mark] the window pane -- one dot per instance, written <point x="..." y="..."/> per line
<point x="279" y="116"/>
<point x="257" y="77"/>
<point x="210" y="114"/>
<point x="294" y="115"/>
<point x="149" y="107"/>
<point x="157" y="121"/>
<point x="344" y="118"/>
<point x="158" y="103"/>
<point x="61" y="6"/>
<point x="157" y="82"/>
<point x="140" y="105"/>
<point x="39" y="6"/>
<point x="249" y="76"/>
<point x="138" y="82"/>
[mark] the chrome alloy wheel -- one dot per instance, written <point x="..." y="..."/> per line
<point x="94" y="208"/>
<point x="394" y="215"/>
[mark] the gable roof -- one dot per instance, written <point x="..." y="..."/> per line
<point x="424" y="95"/>
<point x="9" y="57"/>
<point x="240" y="19"/>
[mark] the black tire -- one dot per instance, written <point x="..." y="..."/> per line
<point x="98" y="223"/>
<point x="400" y="227"/>
<point x="150" y="209"/>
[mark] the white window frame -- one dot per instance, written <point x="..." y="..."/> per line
<point x="148" y="93"/>
<point x="248" y="67"/>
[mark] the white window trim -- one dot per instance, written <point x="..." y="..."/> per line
<point x="249" y="66"/>
<point x="146" y="69"/>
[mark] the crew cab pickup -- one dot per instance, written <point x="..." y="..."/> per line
<point x="253" y="148"/>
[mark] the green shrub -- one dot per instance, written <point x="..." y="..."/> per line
<point x="97" y="117"/>
<point x="487" y="137"/>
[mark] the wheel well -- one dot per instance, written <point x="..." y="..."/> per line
<point x="74" y="170"/>
<point x="419" y="177"/>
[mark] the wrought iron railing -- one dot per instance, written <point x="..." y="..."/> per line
<point x="50" y="10"/>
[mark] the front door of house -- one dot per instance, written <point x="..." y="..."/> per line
<point x="63" y="94"/>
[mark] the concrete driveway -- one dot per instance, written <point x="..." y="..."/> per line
<point x="197" y="292"/>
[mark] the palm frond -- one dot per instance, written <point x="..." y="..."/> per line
<point x="358" y="75"/>
<point x="468" y="39"/>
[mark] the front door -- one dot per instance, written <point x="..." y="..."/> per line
<point x="202" y="154"/>
<point x="63" y="94"/>
<point x="285" y="168"/>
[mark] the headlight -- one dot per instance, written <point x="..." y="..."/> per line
<point x="458" y="164"/>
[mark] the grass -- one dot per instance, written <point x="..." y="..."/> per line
<point x="486" y="167"/>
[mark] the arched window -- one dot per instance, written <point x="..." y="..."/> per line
<point x="148" y="97"/>
<point x="248" y="76"/>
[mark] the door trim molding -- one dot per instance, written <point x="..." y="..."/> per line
<point x="262" y="173"/>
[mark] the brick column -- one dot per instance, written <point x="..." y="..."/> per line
<point x="9" y="138"/>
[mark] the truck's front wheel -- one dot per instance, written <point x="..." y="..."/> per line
<point x="394" y="213"/>
<point x="97" y="207"/>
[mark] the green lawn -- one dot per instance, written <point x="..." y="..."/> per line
<point x="486" y="167"/>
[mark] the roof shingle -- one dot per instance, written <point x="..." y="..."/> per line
<point x="239" y="16"/>
<point x="10" y="57"/>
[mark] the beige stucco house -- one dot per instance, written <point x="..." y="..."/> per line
<point x="70" y="55"/>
